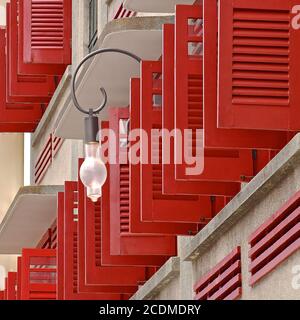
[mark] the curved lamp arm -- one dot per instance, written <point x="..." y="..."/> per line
<point x="98" y="109"/>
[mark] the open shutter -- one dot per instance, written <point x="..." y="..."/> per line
<point x="23" y="88"/>
<point x="38" y="274"/>
<point x="137" y="224"/>
<point x="108" y="279"/>
<point x="11" y="286"/>
<point x="258" y="75"/>
<point x="47" y="31"/>
<point x="214" y="136"/>
<point x="94" y="232"/>
<point x="31" y="68"/>
<point x="67" y="290"/>
<point x="15" y="117"/>
<point x="159" y="206"/>
<point x="116" y="200"/>
<point x="219" y="164"/>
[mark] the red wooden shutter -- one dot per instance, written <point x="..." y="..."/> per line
<point x="98" y="278"/>
<point x="94" y="232"/>
<point x="23" y="88"/>
<point x="214" y="136"/>
<point x="15" y="117"/>
<point x="11" y="286"/>
<point x="19" y="278"/>
<point x="219" y="164"/>
<point x="47" y="31"/>
<point x="69" y="290"/>
<point x="38" y="274"/>
<point x="164" y="207"/>
<point x="116" y="200"/>
<point x="31" y="68"/>
<point x="137" y="224"/>
<point x="258" y="76"/>
<point x="258" y="63"/>
<point x="108" y="280"/>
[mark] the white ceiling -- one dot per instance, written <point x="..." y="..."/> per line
<point x="28" y="218"/>
<point x="113" y="72"/>
<point x="157" y="6"/>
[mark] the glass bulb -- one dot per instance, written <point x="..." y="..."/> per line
<point x="93" y="171"/>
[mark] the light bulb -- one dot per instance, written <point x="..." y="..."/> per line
<point x="93" y="171"/>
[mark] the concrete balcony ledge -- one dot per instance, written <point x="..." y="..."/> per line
<point x="159" y="280"/>
<point x="280" y="167"/>
<point x="158" y="6"/>
<point x="139" y="35"/>
<point x="29" y="216"/>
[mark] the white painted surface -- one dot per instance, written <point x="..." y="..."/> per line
<point x="26" y="221"/>
<point x="113" y="72"/>
<point x="157" y="6"/>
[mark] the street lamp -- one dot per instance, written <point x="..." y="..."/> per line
<point x="93" y="171"/>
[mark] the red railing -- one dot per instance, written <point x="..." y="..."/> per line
<point x="224" y="281"/>
<point x="46" y="157"/>
<point x="275" y="240"/>
<point x="124" y="13"/>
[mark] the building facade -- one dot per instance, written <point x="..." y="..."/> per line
<point x="223" y="69"/>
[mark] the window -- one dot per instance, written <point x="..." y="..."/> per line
<point x="93" y="23"/>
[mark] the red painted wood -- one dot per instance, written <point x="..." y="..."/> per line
<point x="123" y="241"/>
<point x="113" y="280"/>
<point x="164" y="207"/>
<point x="38" y="274"/>
<point x="270" y="266"/>
<point x="137" y="225"/>
<point x="223" y="281"/>
<point x="23" y="88"/>
<point x="292" y="204"/>
<point x="271" y="236"/>
<point x="32" y="68"/>
<point x="223" y="292"/>
<point x="234" y="294"/>
<point x="53" y="47"/>
<point x="275" y="240"/>
<point x="94" y="225"/>
<point x="43" y="161"/>
<point x="220" y="280"/>
<point x="258" y="91"/>
<point x="219" y="164"/>
<point x="19" y="277"/>
<point x="1" y="295"/>
<point x="15" y="117"/>
<point x="67" y="268"/>
<point x="229" y="138"/>
<point x="275" y="248"/>
<point x="11" y="285"/>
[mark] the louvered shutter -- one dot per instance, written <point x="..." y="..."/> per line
<point x="137" y="225"/>
<point x="123" y="241"/>
<point x="17" y="8"/>
<point x="15" y="117"/>
<point x="258" y="75"/>
<point x="47" y="31"/>
<point x="163" y="206"/>
<point x="94" y="220"/>
<point x="38" y="274"/>
<point x="214" y="136"/>
<point x="23" y="88"/>
<point x="219" y="164"/>
<point x="11" y="286"/>
<point x="109" y="279"/>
